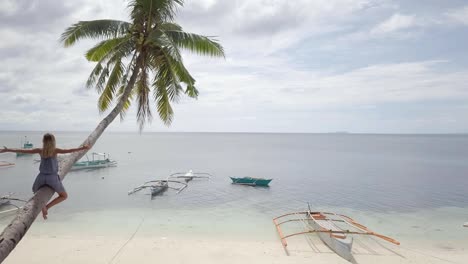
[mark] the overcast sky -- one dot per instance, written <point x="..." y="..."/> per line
<point x="372" y="66"/>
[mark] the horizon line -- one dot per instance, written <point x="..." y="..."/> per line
<point x="243" y="132"/>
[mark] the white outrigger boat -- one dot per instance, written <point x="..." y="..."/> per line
<point x="102" y="161"/>
<point x="158" y="187"/>
<point x="6" y="207"/>
<point x="334" y="230"/>
<point x="190" y="175"/>
<point x="6" y="164"/>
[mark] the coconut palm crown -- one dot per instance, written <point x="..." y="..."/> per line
<point x="141" y="59"/>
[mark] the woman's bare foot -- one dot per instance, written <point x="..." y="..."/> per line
<point x="44" y="213"/>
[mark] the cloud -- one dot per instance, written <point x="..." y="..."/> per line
<point x="458" y="15"/>
<point x="396" y="22"/>
<point x="266" y="27"/>
<point x="34" y="15"/>
<point x="23" y="99"/>
<point x="300" y="89"/>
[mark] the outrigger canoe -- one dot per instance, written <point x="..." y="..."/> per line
<point x="334" y="230"/>
<point x="26" y="146"/>
<point x="6" y="164"/>
<point x="251" y="181"/>
<point x="190" y="175"/>
<point x="103" y="161"/>
<point x="158" y="187"/>
<point x="6" y="207"/>
<point x="339" y="242"/>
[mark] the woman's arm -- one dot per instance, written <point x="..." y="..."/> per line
<point x="65" y="151"/>
<point x="26" y="151"/>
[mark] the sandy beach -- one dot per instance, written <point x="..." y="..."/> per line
<point x="63" y="249"/>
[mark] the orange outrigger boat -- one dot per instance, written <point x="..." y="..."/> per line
<point x="334" y="230"/>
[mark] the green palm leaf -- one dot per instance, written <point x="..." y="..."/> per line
<point x="191" y="91"/>
<point x="94" y="75"/>
<point x="107" y="95"/>
<point x="109" y="47"/>
<point x="95" y="29"/>
<point x="159" y="10"/>
<point x="198" y="44"/>
<point x="143" y="91"/>
<point x="163" y="103"/>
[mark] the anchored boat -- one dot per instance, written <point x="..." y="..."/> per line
<point x="159" y="186"/>
<point x="26" y="146"/>
<point x="6" y="205"/>
<point x="251" y="181"/>
<point x="190" y="175"/>
<point x="334" y="230"/>
<point x="99" y="160"/>
<point x="6" y="164"/>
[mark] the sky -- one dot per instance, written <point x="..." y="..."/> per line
<point x="297" y="66"/>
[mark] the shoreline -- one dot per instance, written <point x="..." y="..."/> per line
<point x="141" y="249"/>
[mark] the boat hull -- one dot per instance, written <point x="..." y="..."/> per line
<point x="92" y="165"/>
<point x="26" y="146"/>
<point x="156" y="190"/>
<point x="4" y="164"/>
<point x="7" y="208"/>
<point x="8" y="211"/>
<point x="251" y="181"/>
<point x="339" y="243"/>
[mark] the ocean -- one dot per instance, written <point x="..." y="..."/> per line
<point x="406" y="186"/>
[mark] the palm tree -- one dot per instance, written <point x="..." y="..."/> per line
<point x="135" y="61"/>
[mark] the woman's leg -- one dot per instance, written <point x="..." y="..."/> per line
<point x="62" y="197"/>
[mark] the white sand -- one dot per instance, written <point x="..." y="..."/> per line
<point x="177" y="236"/>
<point x="51" y="250"/>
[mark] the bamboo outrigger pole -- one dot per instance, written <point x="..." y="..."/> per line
<point x="344" y="219"/>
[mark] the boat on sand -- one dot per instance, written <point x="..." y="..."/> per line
<point x="334" y="230"/>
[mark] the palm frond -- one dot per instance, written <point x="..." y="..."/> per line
<point x="95" y="29"/>
<point x="191" y="91"/>
<point x="168" y="76"/>
<point x="198" y="44"/>
<point x="163" y="103"/>
<point x="142" y="93"/>
<point x="107" y="95"/>
<point x="179" y="69"/>
<point x="159" y="10"/>
<point x="169" y="26"/>
<point x="105" y="47"/>
<point x="101" y="81"/>
<point x="94" y="75"/>
<point x="127" y="102"/>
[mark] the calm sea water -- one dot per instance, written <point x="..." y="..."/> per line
<point x="369" y="174"/>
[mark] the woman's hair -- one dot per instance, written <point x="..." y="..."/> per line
<point x="48" y="145"/>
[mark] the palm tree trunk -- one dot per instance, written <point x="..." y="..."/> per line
<point x="18" y="227"/>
